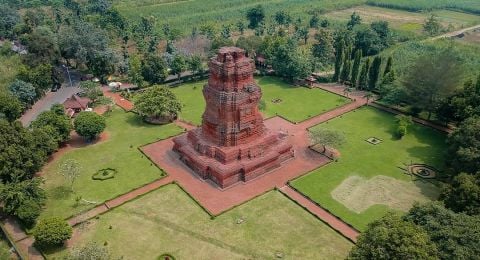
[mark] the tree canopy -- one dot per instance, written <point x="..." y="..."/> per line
<point x="157" y="103"/>
<point x="89" y="125"/>
<point x="464" y="146"/>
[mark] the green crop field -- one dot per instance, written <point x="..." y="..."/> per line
<point x="471" y="6"/>
<point x="8" y="70"/>
<point x="126" y="132"/>
<point x="168" y="221"/>
<point x="367" y="181"/>
<point x="184" y="15"/>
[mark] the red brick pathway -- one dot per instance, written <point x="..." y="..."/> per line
<point x="23" y="242"/>
<point x="331" y="220"/>
<point x="119" y="100"/>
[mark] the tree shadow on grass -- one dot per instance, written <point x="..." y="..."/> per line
<point x="426" y="154"/>
<point x="429" y="189"/>
<point x="60" y="193"/>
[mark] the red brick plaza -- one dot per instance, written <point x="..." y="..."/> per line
<point x="208" y="188"/>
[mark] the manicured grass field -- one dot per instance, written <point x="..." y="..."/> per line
<point x="296" y="103"/>
<point x="4" y="247"/>
<point x="168" y="220"/>
<point x="359" y="158"/>
<point x="126" y="132"/>
<point x="404" y="20"/>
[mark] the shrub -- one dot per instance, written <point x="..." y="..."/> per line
<point x="89" y="125"/>
<point x="104" y="174"/>
<point x="401" y="131"/>
<point x="52" y="232"/>
<point x="28" y="212"/>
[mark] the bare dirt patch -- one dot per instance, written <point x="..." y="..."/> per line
<point x="358" y="194"/>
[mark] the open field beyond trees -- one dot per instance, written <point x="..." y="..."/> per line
<point x="405" y="20"/>
<point x="8" y="70"/>
<point x="126" y="132"/>
<point x="471" y="6"/>
<point x="363" y="160"/>
<point x="293" y="103"/>
<point x="184" y="15"/>
<point x="168" y="221"/>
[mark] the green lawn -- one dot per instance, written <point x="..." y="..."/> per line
<point x="297" y="103"/>
<point x="126" y="132"/>
<point x="168" y="220"/>
<point x="4" y="247"/>
<point x="359" y="158"/>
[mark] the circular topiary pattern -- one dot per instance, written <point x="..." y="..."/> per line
<point x="422" y="171"/>
<point x="166" y="257"/>
<point x="105" y="174"/>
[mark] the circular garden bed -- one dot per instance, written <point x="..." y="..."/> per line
<point x="423" y="171"/>
<point x="104" y="174"/>
<point x="166" y="257"/>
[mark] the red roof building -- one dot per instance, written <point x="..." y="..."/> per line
<point x="75" y="104"/>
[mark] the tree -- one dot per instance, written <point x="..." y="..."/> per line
<point x="432" y="78"/>
<point x="17" y="194"/>
<point x="102" y="64"/>
<point x="44" y="139"/>
<point x="339" y="57"/>
<point x="346" y="68"/>
<point x="314" y="21"/>
<point x="393" y="238"/>
<point x="355" y="19"/>
<point x="91" y="90"/>
<point x="241" y="27"/>
<point x="388" y="67"/>
<point x="89" y="125"/>
<point x="323" y="49"/>
<point x="255" y="16"/>
<point x="51" y="232"/>
<point x="40" y="76"/>
<point x="382" y="29"/>
<point x="10" y="107"/>
<point x="226" y="32"/>
<point x="195" y="64"/>
<point x="70" y="170"/>
<point x="157" y="103"/>
<point x="178" y="65"/>
<point x="432" y="26"/>
<point x="326" y="137"/>
<point x="456" y="236"/>
<point x="20" y="157"/>
<point x="251" y="44"/>
<point x="291" y="62"/>
<point x="282" y="18"/>
<point x="356" y="67"/>
<point x="374" y="73"/>
<point x="463" y="194"/>
<point x="9" y="18"/>
<point x="60" y="123"/>
<point x="362" y="83"/>
<point x="464" y="146"/>
<point x="368" y="41"/>
<point x="25" y="92"/>
<point x="28" y="212"/>
<point x="135" y="71"/>
<point x="302" y="33"/>
<point x="403" y="123"/>
<point x="154" y="69"/>
<point x="90" y="251"/>
<point x="42" y="46"/>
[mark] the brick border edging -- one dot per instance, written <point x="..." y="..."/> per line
<point x="320" y="206"/>
<point x="123" y="203"/>
<point x="317" y="217"/>
<point x="417" y="120"/>
<point x="13" y="243"/>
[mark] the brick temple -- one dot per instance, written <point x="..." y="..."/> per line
<point x="232" y="145"/>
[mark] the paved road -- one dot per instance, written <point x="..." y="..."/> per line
<point x="51" y="98"/>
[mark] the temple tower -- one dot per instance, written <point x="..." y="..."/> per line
<point x="233" y="144"/>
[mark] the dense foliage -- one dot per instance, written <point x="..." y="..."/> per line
<point x="157" y="103"/>
<point x="89" y="125"/>
<point x="51" y="232"/>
